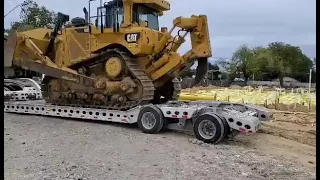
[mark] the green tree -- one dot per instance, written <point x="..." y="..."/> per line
<point x="34" y="16"/>
<point x="264" y="65"/>
<point x="277" y="60"/>
<point x="230" y="68"/>
<point x="242" y="63"/>
<point x="286" y="60"/>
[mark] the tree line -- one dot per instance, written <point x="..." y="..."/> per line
<point x="277" y="60"/>
<point x="33" y="16"/>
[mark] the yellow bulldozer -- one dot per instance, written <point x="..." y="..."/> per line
<point x="120" y="60"/>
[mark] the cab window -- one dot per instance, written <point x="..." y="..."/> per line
<point x="144" y="13"/>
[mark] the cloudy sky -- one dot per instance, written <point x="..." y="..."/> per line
<point x="231" y="22"/>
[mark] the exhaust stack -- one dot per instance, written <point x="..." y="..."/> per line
<point x="86" y="16"/>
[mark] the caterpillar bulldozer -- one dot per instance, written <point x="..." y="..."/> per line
<point x="121" y="60"/>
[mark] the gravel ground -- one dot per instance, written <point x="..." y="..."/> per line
<point x="49" y="148"/>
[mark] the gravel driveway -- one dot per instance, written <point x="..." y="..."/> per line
<point x="50" y="148"/>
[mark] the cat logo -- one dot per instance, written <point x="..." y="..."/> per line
<point x="132" y="37"/>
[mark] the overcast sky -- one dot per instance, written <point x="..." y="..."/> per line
<point x="231" y="22"/>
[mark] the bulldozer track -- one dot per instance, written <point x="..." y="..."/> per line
<point x="147" y="85"/>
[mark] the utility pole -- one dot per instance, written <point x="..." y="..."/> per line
<point x="310" y="76"/>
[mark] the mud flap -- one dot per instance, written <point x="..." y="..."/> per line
<point x="9" y="48"/>
<point x="201" y="70"/>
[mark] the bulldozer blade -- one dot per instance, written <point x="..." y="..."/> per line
<point x="9" y="49"/>
<point x="201" y="70"/>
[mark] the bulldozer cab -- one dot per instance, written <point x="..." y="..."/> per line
<point x="114" y="15"/>
<point x="143" y="14"/>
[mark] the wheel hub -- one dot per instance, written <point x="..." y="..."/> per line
<point x="148" y="120"/>
<point x="137" y="93"/>
<point x="113" y="67"/>
<point x="207" y="129"/>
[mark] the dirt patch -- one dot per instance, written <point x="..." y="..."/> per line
<point x="294" y="126"/>
<point x="291" y="135"/>
<point x="276" y="146"/>
<point x="288" y="135"/>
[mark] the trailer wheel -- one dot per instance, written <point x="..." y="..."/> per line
<point x="224" y="128"/>
<point x="150" y="120"/>
<point x="209" y="128"/>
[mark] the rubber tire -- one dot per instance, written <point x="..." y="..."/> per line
<point x="165" y="125"/>
<point x="159" y="119"/>
<point x="218" y="125"/>
<point x="224" y="127"/>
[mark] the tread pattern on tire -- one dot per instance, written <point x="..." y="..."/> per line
<point x="224" y="127"/>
